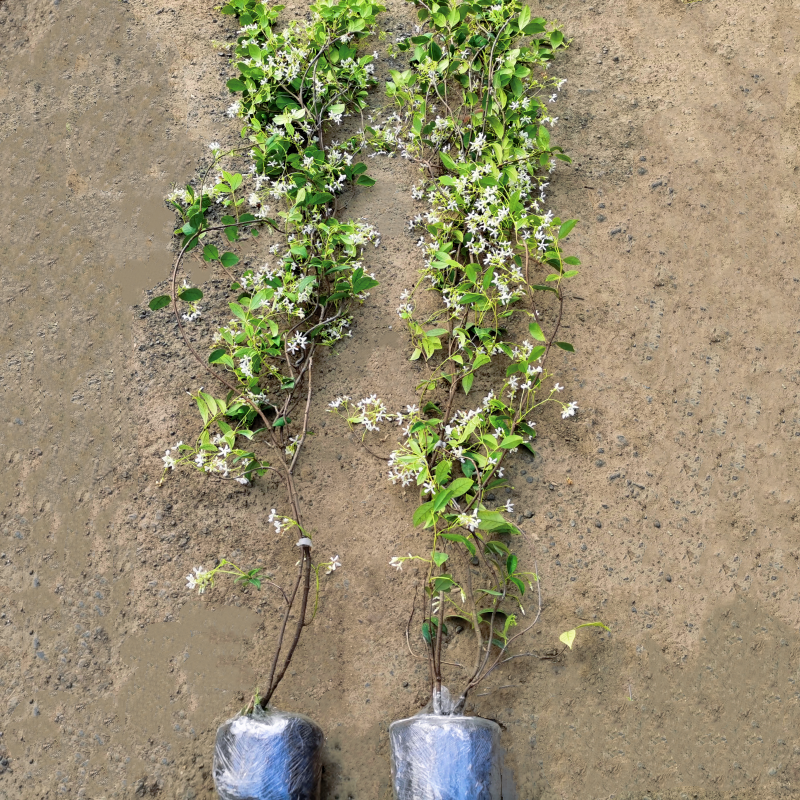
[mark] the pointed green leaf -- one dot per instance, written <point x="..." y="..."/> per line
<point x="565" y="229"/>
<point x="536" y="331"/>
<point x="210" y="253"/>
<point x="159" y="302"/>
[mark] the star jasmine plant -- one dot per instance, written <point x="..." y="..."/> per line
<point x="472" y="112"/>
<point x="294" y="89"/>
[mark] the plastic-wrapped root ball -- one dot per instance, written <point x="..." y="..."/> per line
<point x="269" y="755"/>
<point x="441" y="757"/>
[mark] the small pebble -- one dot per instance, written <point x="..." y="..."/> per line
<point x="668" y="578"/>
<point x="656" y="523"/>
<point x="598" y="524"/>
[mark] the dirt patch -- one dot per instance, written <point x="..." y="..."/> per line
<point x="667" y="508"/>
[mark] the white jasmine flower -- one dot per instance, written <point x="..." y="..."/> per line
<point x="334" y="565"/>
<point x="200" y="580"/>
<point x="569" y="411"/>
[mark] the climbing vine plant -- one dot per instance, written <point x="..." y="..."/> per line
<point x="294" y="88"/>
<point x="474" y="112"/>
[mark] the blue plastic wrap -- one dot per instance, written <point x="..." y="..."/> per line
<point x="270" y="755"/>
<point x="445" y="757"/>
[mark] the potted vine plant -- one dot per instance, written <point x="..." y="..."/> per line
<point x="474" y="111"/>
<point x="294" y="87"/>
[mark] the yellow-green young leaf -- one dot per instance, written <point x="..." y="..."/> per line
<point x="568" y="637"/>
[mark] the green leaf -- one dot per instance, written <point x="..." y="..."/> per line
<point x="237" y="311"/>
<point x="216" y="355"/>
<point x="565" y="229"/>
<point x="565" y="346"/>
<point x="441" y="500"/>
<point x="497" y="548"/>
<point x="210" y="253"/>
<point x="460" y="486"/>
<point x="162" y="301"/>
<point x="202" y="407"/>
<point x="443" y="471"/>
<point x="510" y="442"/>
<point x="448" y="162"/>
<point x="426" y="632"/>
<point x="319" y="199"/>
<point x="466" y="382"/>
<point x="544" y="138"/>
<point x="424" y="514"/>
<point x="210" y="402"/>
<point x="428" y="628"/>
<point x="511" y="564"/>
<point x="524" y="17"/>
<point x="439" y="558"/>
<point x="236" y="85"/>
<point x="536" y="331"/>
<point x="443" y="583"/>
<point x="457" y="537"/>
<point x="365" y="180"/>
<point x="191" y="295"/>
<point x="229" y="259"/>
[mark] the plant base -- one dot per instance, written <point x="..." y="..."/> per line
<point x="270" y="755"/>
<point x="438" y="757"/>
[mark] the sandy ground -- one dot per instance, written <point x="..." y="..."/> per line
<point x="667" y="508"/>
